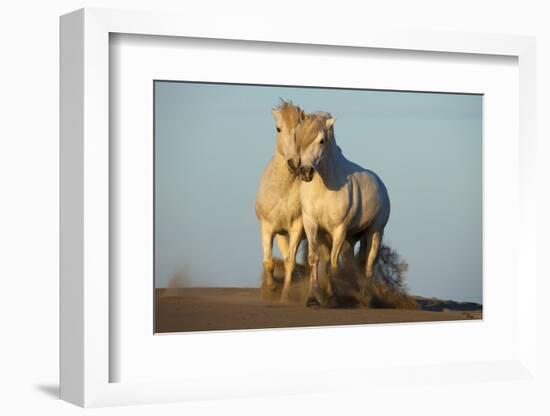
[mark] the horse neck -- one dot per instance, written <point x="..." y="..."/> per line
<point x="330" y="167"/>
<point x="279" y="162"/>
<point x="281" y="177"/>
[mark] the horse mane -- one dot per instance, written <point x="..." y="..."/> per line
<point x="290" y="113"/>
<point x="312" y="125"/>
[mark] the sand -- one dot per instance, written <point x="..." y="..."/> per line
<point x="208" y="309"/>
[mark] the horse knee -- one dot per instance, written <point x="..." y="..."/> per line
<point x="369" y="272"/>
<point x="312" y="259"/>
<point x="289" y="262"/>
<point x="269" y="265"/>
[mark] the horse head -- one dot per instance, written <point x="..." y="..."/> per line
<point x="315" y="141"/>
<point x="288" y="118"/>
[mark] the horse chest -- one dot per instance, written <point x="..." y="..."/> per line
<point x="353" y="206"/>
<point x="328" y="209"/>
<point x="284" y="211"/>
<point x="280" y="207"/>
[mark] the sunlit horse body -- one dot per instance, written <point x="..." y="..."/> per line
<point x="339" y="198"/>
<point x="278" y="199"/>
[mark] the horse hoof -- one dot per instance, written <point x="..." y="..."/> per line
<point x="284" y="297"/>
<point x="312" y="301"/>
<point x="332" y="302"/>
<point x="271" y="287"/>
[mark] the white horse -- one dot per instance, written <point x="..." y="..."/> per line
<point x="278" y="199"/>
<point x="338" y="198"/>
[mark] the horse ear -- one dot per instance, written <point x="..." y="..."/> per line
<point x="302" y="115"/>
<point x="330" y="122"/>
<point x="276" y="113"/>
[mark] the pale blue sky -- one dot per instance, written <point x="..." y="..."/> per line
<point x="213" y="141"/>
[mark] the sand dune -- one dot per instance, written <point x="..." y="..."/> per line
<point x="208" y="309"/>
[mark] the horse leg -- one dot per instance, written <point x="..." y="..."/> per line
<point x="313" y="297"/>
<point x="267" y="246"/>
<point x="294" y="237"/>
<point x="282" y="243"/>
<point x="374" y="239"/>
<point x="338" y="240"/>
<point x="324" y="253"/>
<point x="347" y="252"/>
<point x="363" y="250"/>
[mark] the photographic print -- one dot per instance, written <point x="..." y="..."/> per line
<point x="286" y="206"/>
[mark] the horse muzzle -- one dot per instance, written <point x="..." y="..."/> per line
<point x="306" y="173"/>
<point x="293" y="165"/>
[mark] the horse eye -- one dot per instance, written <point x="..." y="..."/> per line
<point x="278" y="130"/>
<point x="321" y="141"/>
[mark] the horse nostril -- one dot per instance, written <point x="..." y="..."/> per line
<point x="306" y="172"/>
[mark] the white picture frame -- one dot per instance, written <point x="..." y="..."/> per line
<point x="85" y="186"/>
